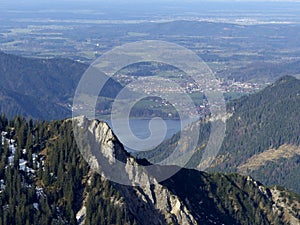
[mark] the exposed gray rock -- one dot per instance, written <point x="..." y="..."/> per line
<point x="146" y="198"/>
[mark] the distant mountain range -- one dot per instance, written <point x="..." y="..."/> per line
<point x="38" y="88"/>
<point x="42" y="88"/>
<point x="265" y="71"/>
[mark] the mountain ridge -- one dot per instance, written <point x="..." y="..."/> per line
<point x="65" y="190"/>
<point x="258" y="122"/>
<point x="47" y="84"/>
<point x="43" y="88"/>
<point x="181" y="184"/>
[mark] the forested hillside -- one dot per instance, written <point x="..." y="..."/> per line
<point x="37" y="88"/>
<point x="262" y="137"/>
<point x="264" y="121"/>
<point x="42" y="88"/>
<point x="44" y="180"/>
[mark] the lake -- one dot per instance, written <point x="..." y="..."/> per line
<point x="138" y="137"/>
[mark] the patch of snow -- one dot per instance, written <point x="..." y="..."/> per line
<point x="22" y="164"/>
<point x="34" y="157"/>
<point x="80" y="216"/>
<point x="2" y="184"/>
<point x="39" y="191"/>
<point x="11" y="160"/>
<point x="30" y="171"/>
<point x="3" y="134"/>
<point x="24" y="168"/>
<point x="12" y="148"/>
<point x="36" y="206"/>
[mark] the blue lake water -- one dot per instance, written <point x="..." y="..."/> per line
<point x="138" y="136"/>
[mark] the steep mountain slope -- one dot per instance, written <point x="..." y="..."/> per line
<point x="41" y="88"/>
<point x="16" y="103"/>
<point x="262" y="137"/>
<point x="265" y="71"/>
<point x="50" y="183"/>
<point x="265" y="126"/>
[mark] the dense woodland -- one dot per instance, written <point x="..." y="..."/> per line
<point x="260" y="121"/>
<point x="51" y="188"/>
<point x="55" y="182"/>
<point x="42" y="88"/>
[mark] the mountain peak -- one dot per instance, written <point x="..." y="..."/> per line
<point x="98" y="134"/>
<point x="286" y="79"/>
<point x="62" y="185"/>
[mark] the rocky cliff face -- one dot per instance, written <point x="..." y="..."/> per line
<point x="146" y="198"/>
<point x="189" y="197"/>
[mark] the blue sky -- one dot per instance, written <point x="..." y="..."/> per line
<point x="140" y="1"/>
<point x="19" y="4"/>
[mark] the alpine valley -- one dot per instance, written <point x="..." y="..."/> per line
<point x="56" y="168"/>
<point x="45" y="179"/>
<point x="261" y="140"/>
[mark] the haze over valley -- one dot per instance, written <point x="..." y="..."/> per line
<point x="137" y="112"/>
